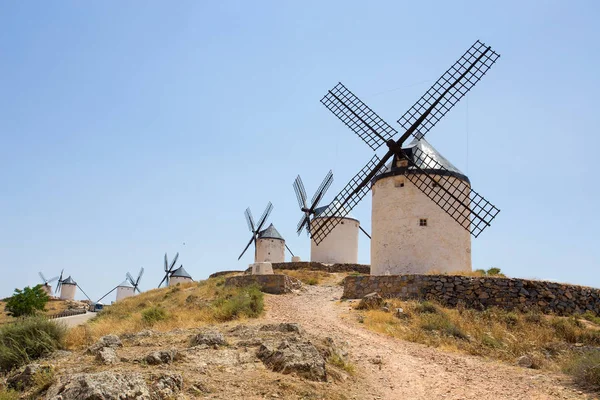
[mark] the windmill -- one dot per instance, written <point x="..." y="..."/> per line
<point x="341" y="247"/>
<point x="169" y="268"/>
<point x="46" y="283"/>
<point x="68" y="288"/>
<point x="417" y="166"/>
<point x="255" y="229"/>
<point x="127" y="288"/>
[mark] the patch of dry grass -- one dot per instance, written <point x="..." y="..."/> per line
<point x="305" y="276"/>
<point x="184" y="306"/>
<point x="503" y="335"/>
<point x="54" y="306"/>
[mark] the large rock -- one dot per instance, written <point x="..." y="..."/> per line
<point x="105" y="385"/>
<point x="209" y="339"/>
<point x="161" y="357"/>
<point x="302" y="359"/>
<point x="372" y="301"/>
<point x="25" y="377"/>
<point x="105" y="341"/>
<point x="283" y="327"/>
<point x="107" y="356"/>
<point x="167" y="385"/>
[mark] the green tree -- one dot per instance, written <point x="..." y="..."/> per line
<point x="27" y="301"/>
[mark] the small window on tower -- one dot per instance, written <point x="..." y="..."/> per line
<point x="423" y="222"/>
<point x="399" y="182"/>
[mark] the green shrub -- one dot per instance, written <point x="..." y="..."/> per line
<point x="426" y="307"/>
<point x="238" y="302"/>
<point x="27" y="340"/>
<point x="585" y="369"/>
<point x="340" y="362"/>
<point x="590" y="316"/>
<point x="511" y="319"/>
<point x="494" y="272"/>
<point x="153" y="314"/>
<point x="27" y="301"/>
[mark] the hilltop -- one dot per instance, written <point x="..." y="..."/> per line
<point x="203" y="340"/>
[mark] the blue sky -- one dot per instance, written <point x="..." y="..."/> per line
<point x="130" y="128"/>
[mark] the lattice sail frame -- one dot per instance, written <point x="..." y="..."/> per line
<point x="357" y="116"/>
<point x="314" y="203"/>
<point x="453" y="195"/>
<point x="347" y="199"/>
<point x="452" y="86"/>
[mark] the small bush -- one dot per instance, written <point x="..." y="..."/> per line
<point x="240" y="302"/>
<point x="590" y="316"/>
<point x="585" y="369"/>
<point x="152" y="315"/>
<point x="534" y="317"/>
<point x="511" y="319"/>
<point x="27" y="340"/>
<point x="440" y="323"/>
<point x="426" y="307"/>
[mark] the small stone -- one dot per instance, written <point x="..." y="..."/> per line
<point x="525" y="362"/>
<point x="372" y="301"/>
<point x="161" y="357"/>
<point x="105" y="341"/>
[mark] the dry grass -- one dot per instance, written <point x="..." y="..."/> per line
<point x="306" y="276"/>
<point x="183" y="306"/>
<point x="548" y="340"/>
<point x="478" y="273"/>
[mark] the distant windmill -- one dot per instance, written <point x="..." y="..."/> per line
<point x="169" y="268"/>
<point x="46" y="283"/>
<point x="127" y="288"/>
<point x="68" y="287"/>
<point x="410" y="234"/>
<point x="341" y="246"/>
<point x="269" y="245"/>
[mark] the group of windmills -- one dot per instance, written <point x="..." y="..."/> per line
<point x="66" y="288"/>
<point x="423" y="208"/>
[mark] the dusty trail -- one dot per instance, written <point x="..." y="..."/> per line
<point x="409" y="370"/>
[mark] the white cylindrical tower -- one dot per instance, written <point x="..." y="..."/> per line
<point x="340" y="246"/>
<point x="68" y="288"/>
<point x="46" y="287"/>
<point x="124" y="290"/>
<point x="411" y="234"/>
<point x="180" y="275"/>
<point x="270" y="246"/>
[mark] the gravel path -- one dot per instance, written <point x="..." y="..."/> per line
<point x="75" y="320"/>
<point x="409" y="370"/>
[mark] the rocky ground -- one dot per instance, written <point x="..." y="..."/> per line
<point x="307" y="346"/>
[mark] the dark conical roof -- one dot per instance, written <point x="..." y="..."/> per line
<point x="180" y="273"/>
<point x="431" y="165"/>
<point x="331" y="210"/>
<point x="270" y="233"/>
<point x="69" y="281"/>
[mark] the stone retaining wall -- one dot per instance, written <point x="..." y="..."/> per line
<point x="274" y="284"/>
<point x="476" y="292"/>
<point x="315" y="266"/>
<point x="221" y="273"/>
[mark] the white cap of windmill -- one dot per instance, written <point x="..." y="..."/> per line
<point x="422" y="211"/>
<point x="169" y="268"/>
<point x="46" y="283"/>
<point x="341" y="246"/>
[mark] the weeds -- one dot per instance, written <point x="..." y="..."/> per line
<point x="235" y="303"/>
<point x="585" y="369"/>
<point x="338" y="361"/>
<point x="8" y="394"/>
<point x="152" y="315"/>
<point x="27" y="340"/>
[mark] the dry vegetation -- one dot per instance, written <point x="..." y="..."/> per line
<point x="183" y="306"/>
<point x="549" y="342"/>
<point x="54" y="306"/>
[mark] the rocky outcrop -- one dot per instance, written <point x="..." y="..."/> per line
<point x="107" y="356"/>
<point x="302" y="359"/>
<point x="100" y="386"/>
<point x="110" y="385"/>
<point x="209" y="339"/>
<point x="161" y="357"/>
<point x="479" y="292"/>
<point x="111" y="341"/>
<point x="273" y="284"/>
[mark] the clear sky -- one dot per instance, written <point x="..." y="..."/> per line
<point x="130" y="128"/>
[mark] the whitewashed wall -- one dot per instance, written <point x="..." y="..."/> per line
<point x="124" y="292"/>
<point x="67" y="292"/>
<point x="270" y="250"/>
<point x="340" y="245"/>
<point x="400" y="246"/>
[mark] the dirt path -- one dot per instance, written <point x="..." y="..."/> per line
<point x="409" y="370"/>
<point x="75" y="320"/>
